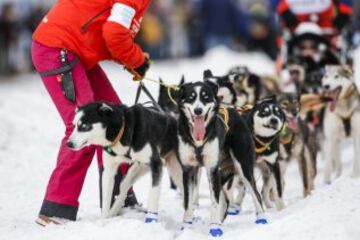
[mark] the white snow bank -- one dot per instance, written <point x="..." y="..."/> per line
<point x="30" y="131"/>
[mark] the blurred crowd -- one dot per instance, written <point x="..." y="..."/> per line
<point x="171" y="29"/>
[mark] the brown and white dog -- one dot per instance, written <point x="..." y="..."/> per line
<point x="297" y="142"/>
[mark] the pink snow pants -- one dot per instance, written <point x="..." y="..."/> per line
<point x="66" y="181"/>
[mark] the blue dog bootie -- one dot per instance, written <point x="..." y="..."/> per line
<point x="151" y="217"/>
<point x="216" y="230"/>
<point x="234" y="210"/>
<point x="261" y="219"/>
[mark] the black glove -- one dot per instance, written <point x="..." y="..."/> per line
<point x="341" y="20"/>
<point x="289" y="18"/>
<point x="140" y="72"/>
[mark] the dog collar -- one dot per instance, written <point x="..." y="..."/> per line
<point x="244" y="108"/>
<point x="286" y="136"/>
<point x="108" y="148"/>
<point x="265" y="145"/>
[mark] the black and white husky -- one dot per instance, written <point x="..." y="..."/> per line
<point x="266" y="120"/>
<point x="341" y="119"/>
<point x="205" y="139"/>
<point x="226" y="95"/>
<point x="137" y="135"/>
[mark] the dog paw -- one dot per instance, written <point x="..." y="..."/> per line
<point x="151" y="217"/>
<point x="261" y="219"/>
<point x="233" y="210"/>
<point x="216" y="230"/>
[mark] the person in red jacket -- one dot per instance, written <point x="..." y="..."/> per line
<point x="67" y="46"/>
<point x="330" y="15"/>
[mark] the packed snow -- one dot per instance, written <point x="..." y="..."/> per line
<point x="30" y="131"/>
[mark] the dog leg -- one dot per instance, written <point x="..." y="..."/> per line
<point x="110" y="169"/>
<point x="236" y="199"/>
<point x="328" y="158"/>
<point x="241" y="194"/>
<point x="218" y="202"/>
<point x="303" y="169"/>
<point x="250" y="184"/>
<point x="129" y="179"/>
<point x="196" y="188"/>
<point x="153" y="200"/>
<point x="175" y="171"/>
<point x="188" y="194"/>
<point x="337" y="158"/>
<point x="265" y="191"/>
<point x="277" y="183"/>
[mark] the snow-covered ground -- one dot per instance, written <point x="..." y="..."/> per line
<point x="30" y="130"/>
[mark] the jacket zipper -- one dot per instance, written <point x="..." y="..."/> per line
<point x="88" y="22"/>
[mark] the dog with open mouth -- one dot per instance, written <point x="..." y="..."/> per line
<point x="266" y="121"/>
<point x="341" y="119"/>
<point x="208" y="135"/>
<point x="296" y="142"/>
<point x="138" y="135"/>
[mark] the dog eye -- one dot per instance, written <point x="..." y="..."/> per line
<point x="84" y="127"/>
<point x="336" y="76"/>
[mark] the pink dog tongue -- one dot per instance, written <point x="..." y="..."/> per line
<point x="334" y="96"/>
<point x="199" y="128"/>
<point x="333" y="105"/>
<point x="293" y="124"/>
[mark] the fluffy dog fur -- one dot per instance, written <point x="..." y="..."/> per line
<point x="342" y="118"/>
<point x="137" y="135"/>
<point x="266" y="121"/>
<point x="221" y="141"/>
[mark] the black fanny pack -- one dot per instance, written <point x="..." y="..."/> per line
<point x="66" y="79"/>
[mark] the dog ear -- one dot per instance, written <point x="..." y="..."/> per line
<point x="180" y="93"/>
<point x="232" y="77"/>
<point x="346" y="71"/>
<point x="271" y="99"/>
<point x="182" y="80"/>
<point x="105" y="109"/>
<point x="207" y="74"/>
<point x="161" y="86"/>
<point x="214" y="87"/>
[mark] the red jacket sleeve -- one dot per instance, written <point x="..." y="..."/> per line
<point x="118" y="36"/>
<point x="282" y="7"/>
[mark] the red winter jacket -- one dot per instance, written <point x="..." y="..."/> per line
<point x="95" y="30"/>
<point x="323" y="12"/>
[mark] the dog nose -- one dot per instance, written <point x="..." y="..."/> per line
<point x="327" y="87"/>
<point x="70" y="144"/>
<point x="198" y="111"/>
<point x="220" y="98"/>
<point x="273" y="121"/>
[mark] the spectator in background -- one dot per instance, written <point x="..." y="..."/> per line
<point x="194" y="28"/>
<point x="8" y="38"/>
<point x="219" y="25"/>
<point x="151" y="37"/>
<point x="261" y="31"/>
